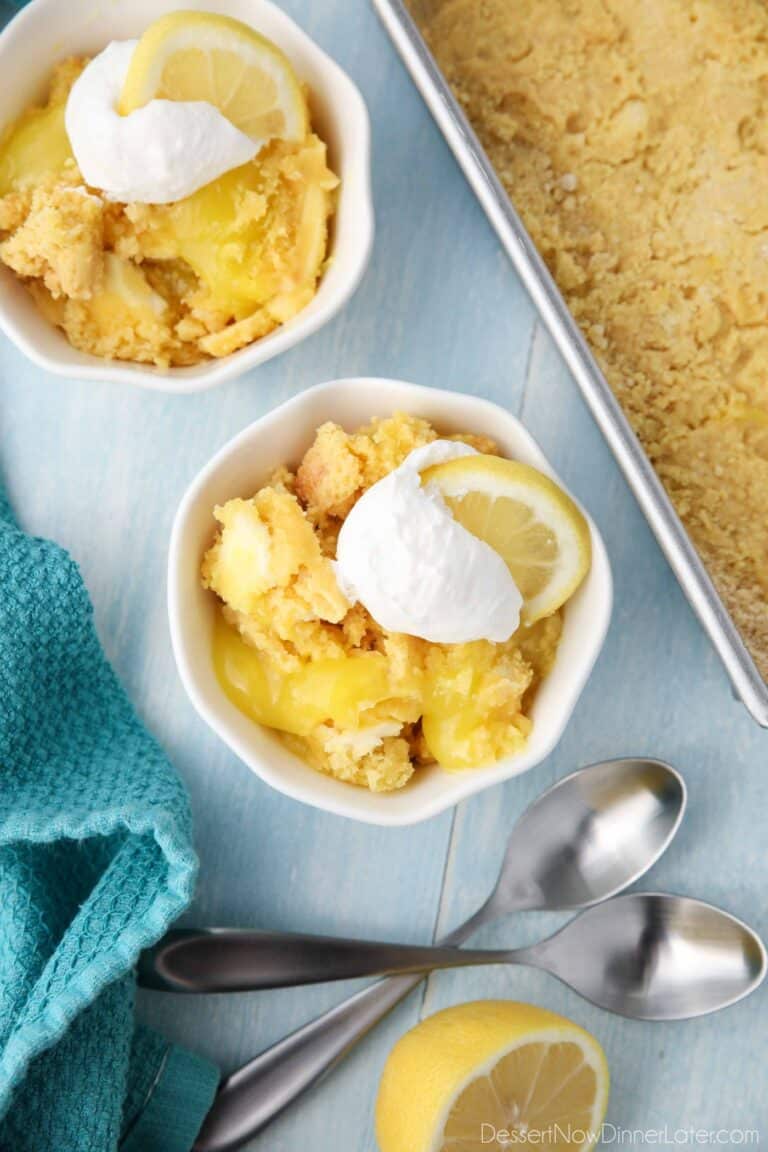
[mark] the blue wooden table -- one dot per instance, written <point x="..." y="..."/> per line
<point x="102" y="469"/>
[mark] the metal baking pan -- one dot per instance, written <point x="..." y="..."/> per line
<point x="677" y="546"/>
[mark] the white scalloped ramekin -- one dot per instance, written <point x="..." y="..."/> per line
<point x="46" y="31"/>
<point x="245" y="463"/>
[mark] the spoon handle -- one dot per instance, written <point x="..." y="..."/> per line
<point x="250" y="1098"/>
<point x="221" y="960"/>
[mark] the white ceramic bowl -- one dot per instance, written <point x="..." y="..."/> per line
<point x="239" y="469"/>
<point x="47" y="31"/>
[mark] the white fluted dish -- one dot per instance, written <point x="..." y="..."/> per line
<point x="47" y="31"/>
<point x="244" y="464"/>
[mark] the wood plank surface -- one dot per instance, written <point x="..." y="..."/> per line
<point x="101" y="469"/>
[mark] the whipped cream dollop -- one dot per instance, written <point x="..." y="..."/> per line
<point x="155" y="155"/>
<point x="417" y="570"/>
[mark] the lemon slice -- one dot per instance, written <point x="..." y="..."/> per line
<point x="201" y="56"/>
<point x="490" y="1075"/>
<point x="527" y="518"/>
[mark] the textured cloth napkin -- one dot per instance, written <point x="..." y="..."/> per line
<point x="95" y="863"/>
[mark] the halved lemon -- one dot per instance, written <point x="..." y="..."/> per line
<point x="202" y="56"/>
<point x="488" y="1075"/>
<point x="527" y="518"/>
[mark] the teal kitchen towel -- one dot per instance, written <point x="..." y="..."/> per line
<point x="95" y="863"/>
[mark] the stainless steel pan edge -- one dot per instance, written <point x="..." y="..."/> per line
<point x="747" y="682"/>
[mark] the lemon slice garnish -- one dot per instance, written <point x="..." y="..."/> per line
<point x="200" y="56"/>
<point x="484" y="1076"/>
<point x="527" y="518"/>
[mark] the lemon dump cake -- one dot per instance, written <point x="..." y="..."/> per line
<point x="631" y="135"/>
<point x="318" y="639"/>
<point x="154" y="218"/>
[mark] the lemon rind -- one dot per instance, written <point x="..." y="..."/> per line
<point x="496" y="477"/>
<point x="180" y="31"/>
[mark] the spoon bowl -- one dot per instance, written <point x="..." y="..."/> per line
<point x="646" y="956"/>
<point x="589" y="836"/>
<point x="653" y="956"/>
<point x="624" y="816"/>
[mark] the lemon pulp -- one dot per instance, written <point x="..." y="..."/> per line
<point x="204" y="56"/>
<point x="540" y="532"/>
<point x="483" y="1076"/>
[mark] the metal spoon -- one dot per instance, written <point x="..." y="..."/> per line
<point x="588" y="837"/>
<point x="651" y="957"/>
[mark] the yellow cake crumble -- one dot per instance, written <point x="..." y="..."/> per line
<point x="632" y="136"/>
<point x="171" y="284"/>
<point x="367" y="706"/>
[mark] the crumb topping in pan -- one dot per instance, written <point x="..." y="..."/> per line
<point x="632" y="135"/>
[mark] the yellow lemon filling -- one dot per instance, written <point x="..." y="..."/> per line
<point x="165" y="284"/>
<point x="365" y="705"/>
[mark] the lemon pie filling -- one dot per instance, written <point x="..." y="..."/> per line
<point x="300" y="651"/>
<point x="158" y="280"/>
